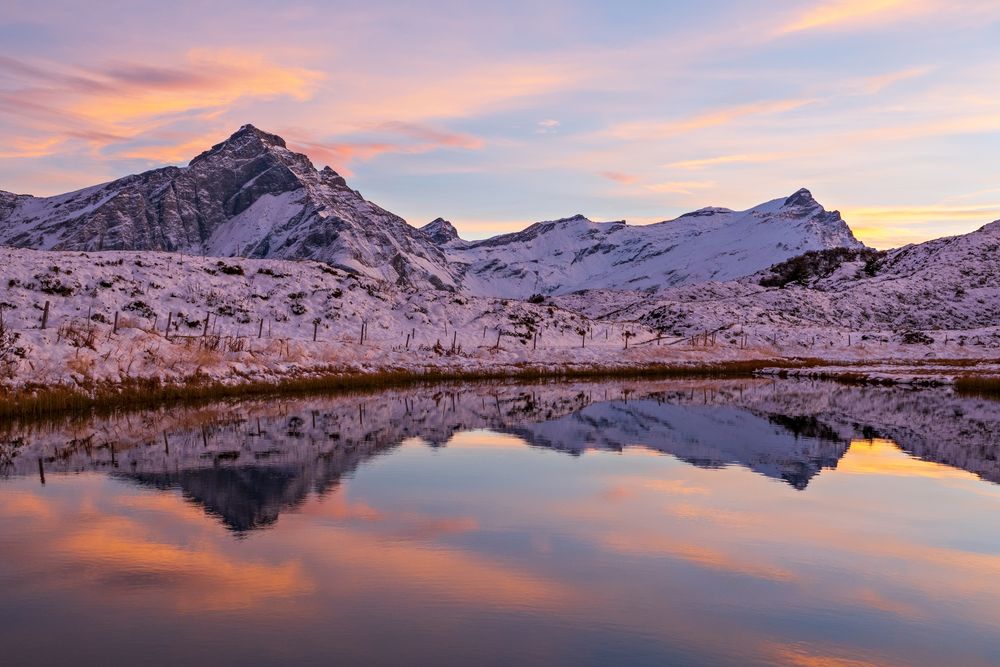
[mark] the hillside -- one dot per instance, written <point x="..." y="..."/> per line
<point x="572" y="254"/>
<point x="949" y="285"/>
<point x="250" y="196"/>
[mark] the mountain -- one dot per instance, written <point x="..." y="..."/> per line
<point x="948" y="284"/>
<point x="247" y="196"/>
<point x="563" y="256"/>
<point x="251" y="196"/>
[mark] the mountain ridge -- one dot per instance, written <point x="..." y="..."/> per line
<point x="251" y="196"/>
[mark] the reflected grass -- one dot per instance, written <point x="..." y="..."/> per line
<point x="142" y="393"/>
<point x="985" y="386"/>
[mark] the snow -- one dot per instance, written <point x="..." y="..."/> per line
<point x="688" y="289"/>
<point x="564" y="256"/>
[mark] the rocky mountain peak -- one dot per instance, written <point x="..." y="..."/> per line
<point x="802" y="198"/>
<point x="440" y="231"/>
<point x="246" y="143"/>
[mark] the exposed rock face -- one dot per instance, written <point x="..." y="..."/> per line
<point x="247" y="196"/>
<point x="250" y="196"/>
<point x="441" y="231"/>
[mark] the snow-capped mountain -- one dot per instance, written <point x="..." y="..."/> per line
<point x="946" y="284"/>
<point x="563" y="256"/>
<point x="248" y="196"/>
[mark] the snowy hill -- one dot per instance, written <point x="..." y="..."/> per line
<point x="564" y="256"/>
<point x="250" y="196"/>
<point x="949" y="284"/>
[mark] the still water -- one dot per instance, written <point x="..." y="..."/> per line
<point x="677" y="522"/>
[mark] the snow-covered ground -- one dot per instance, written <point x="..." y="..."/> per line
<point x="236" y="320"/>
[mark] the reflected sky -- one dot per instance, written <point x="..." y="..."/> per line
<point x="622" y="540"/>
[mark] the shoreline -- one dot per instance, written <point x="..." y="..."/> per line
<point x="29" y="402"/>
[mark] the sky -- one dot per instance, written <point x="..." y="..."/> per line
<point x="496" y="115"/>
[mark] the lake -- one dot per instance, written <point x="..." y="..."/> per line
<point x="682" y="522"/>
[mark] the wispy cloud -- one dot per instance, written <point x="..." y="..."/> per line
<point x="108" y="106"/>
<point x="851" y="13"/>
<point x="619" y="177"/>
<point x="680" y="187"/>
<point x="706" y="119"/>
<point x="703" y="163"/>
<point x="388" y="137"/>
<point x="547" y="126"/>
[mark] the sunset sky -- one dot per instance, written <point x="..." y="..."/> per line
<point x="495" y="115"/>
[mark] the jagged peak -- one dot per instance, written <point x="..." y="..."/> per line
<point x="801" y="198"/>
<point x="441" y="231"/>
<point x="249" y="130"/>
<point x="238" y="140"/>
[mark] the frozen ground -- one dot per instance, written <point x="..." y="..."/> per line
<point x="235" y="320"/>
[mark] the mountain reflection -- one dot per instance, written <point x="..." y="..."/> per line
<point x="247" y="462"/>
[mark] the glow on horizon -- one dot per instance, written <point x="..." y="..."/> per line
<point x="496" y="117"/>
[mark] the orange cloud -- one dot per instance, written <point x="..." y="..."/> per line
<point x="22" y="148"/>
<point x="193" y="578"/>
<point x="619" y="177"/>
<point x="406" y="138"/>
<point x="680" y="187"/>
<point x="453" y="573"/>
<point x="851" y="13"/>
<point x="209" y="79"/>
<point x="725" y="159"/>
<point x="102" y="107"/>
<point x="712" y="559"/>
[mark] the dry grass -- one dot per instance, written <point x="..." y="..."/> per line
<point x="978" y="385"/>
<point x="36" y="402"/>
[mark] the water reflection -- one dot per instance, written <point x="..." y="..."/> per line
<point x="642" y="522"/>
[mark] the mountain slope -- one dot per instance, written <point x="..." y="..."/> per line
<point x="945" y="284"/>
<point x="247" y="196"/>
<point x="571" y="254"/>
<point x="250" y="196"/>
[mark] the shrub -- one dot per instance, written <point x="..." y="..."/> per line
<point x="79" y="333"/>
<point x="818" y="264"/>
<point x="140" y="308"/>
<point x="536" y="298"/>
<point x="916" y="338"/>
<point x="52" y="285"/>
<point x="230" y="269"/>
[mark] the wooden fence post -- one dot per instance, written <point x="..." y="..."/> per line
<point x="170" y="319"/>
<point x="315" y="328"/>
<point x="260" y="330"/>
<point x="115" y="328"/>
<point x="45" y="315"/>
